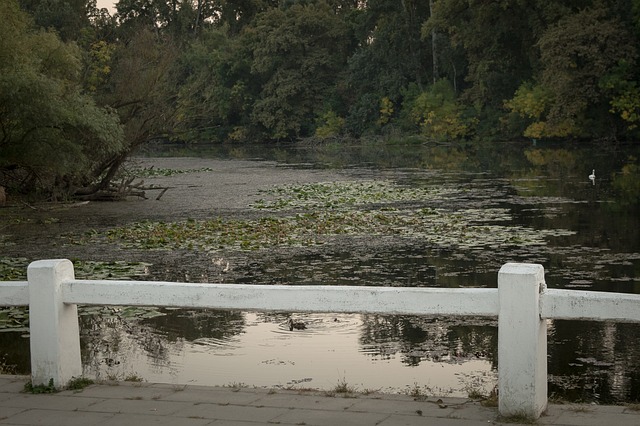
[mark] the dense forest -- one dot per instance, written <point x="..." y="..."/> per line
<point x="81" y="89"/>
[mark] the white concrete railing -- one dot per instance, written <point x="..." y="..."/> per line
<point x="521" y="302"/>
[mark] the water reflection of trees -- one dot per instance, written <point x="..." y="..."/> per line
<point x="108" y="338"/>
<point x="587" y="360"/>
<point x="435" y="339"/>
<point x="593" y="361"/>
<point x="14" y="353"/>
<point x="193" y="324"/>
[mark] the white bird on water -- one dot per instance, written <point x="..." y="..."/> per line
<point x="592" y="176"/>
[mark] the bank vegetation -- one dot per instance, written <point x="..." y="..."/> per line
<point x="81" y="89"/>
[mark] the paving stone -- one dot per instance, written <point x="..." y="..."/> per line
<point x="200" y="394"/>
<point x="122" y="392"/>
<point x="402" y="420"/>
<point x="473" y="411"/>
<point x="142" y="420"/>
<point x="165" y="404"/>
<point x="232" y="412"/>
<point x="4" y="396"/>
<point x="330" y="418"/>
<point x="38" y="417"/>
<point x="595" y="418"/>
<point x="292" y="400"/>
<point x="401" y="407"/>
<point x="138" y="406"/>
<point x="7" y="412"/>
<point x="12" y="384"/>
<point x="50" y="402"/>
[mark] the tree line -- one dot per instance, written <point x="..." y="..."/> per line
<point x="81" y="89"/>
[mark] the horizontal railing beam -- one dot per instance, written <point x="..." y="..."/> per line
<point x="589" y="305"/>
<point x="14" y="293"/>
<point x="352" y="299"/>
<point x="521" y="302"/>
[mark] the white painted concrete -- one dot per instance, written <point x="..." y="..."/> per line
<point x="522" y="341"/>
<point x="380" y="300"/>
<point x="590" y="305"/>
<point x="522" y="303"/>
<point x="55" y="335"/>
<point x="14" y="293"/>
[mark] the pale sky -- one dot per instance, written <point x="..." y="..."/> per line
<point x="109" y="4"/>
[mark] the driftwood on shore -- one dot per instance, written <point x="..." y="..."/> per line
<point x="121" y="190"/>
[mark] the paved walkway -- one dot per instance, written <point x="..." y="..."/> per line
<point x="140" y="404"/>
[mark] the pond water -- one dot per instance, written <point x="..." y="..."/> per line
<point x="437" y="216"/>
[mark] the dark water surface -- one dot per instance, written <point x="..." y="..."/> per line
<point x="589" y="238"/>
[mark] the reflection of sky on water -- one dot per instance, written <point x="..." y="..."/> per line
<point x="267" y="354"/>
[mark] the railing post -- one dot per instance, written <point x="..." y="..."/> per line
<point x="55" y="337"/>
<point x="522" y="341"/>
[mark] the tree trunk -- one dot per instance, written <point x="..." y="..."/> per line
<point x="434" y="47"/>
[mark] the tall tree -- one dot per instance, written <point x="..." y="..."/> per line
<point x="578" y="53"/>
<point x="390" y="55"/>
<point x="298" y="52"/>
<point x="67" y="17"/>
<point x="177" y="18"/>
<point x="497" y="39"/>
<point x="51" y="132"/>
<point x="215" y="89"/>
<point x="138" y="89"/>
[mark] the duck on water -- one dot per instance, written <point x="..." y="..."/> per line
<point x="296" y="325"/>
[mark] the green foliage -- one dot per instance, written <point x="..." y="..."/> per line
<point x="79" y="383"/>
<point x="530" y="100"/>
<point x="627" y="182"/>
<point x="533" y="102"/>
<point x="389" y="56"/>
<point x="298" y="53"/>
<point x="40" y="389"/>
<point x="330" y="125"/>
<point x="215" y="90"/>
<point x="386" y="111"/>
<point x="52" y="130"/>
<point x="490" y="42"/>
<point x="363" y="113"/>
<point x="576" y="53"/>
<point x="81" y="90"/>
<point x="627" y="105"/>
<point x="67" y="17"/>
<point x="581" y="56"/>
<point x="178" y="18"/>
<point x="438" y="114"/>
<point x="98" y="66"/>
<point x="625" y="100"/>
<point x="142" y="103"/>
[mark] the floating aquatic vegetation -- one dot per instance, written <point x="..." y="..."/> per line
<point x="347" y="194"/>
<point x="120" y="270"/>
<point x="15" y="318"/>
<point x="357" y="209"/>
<point x="466" y="229"/>
<point x="15" y="269"/>
<point x="155" y="172"/>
